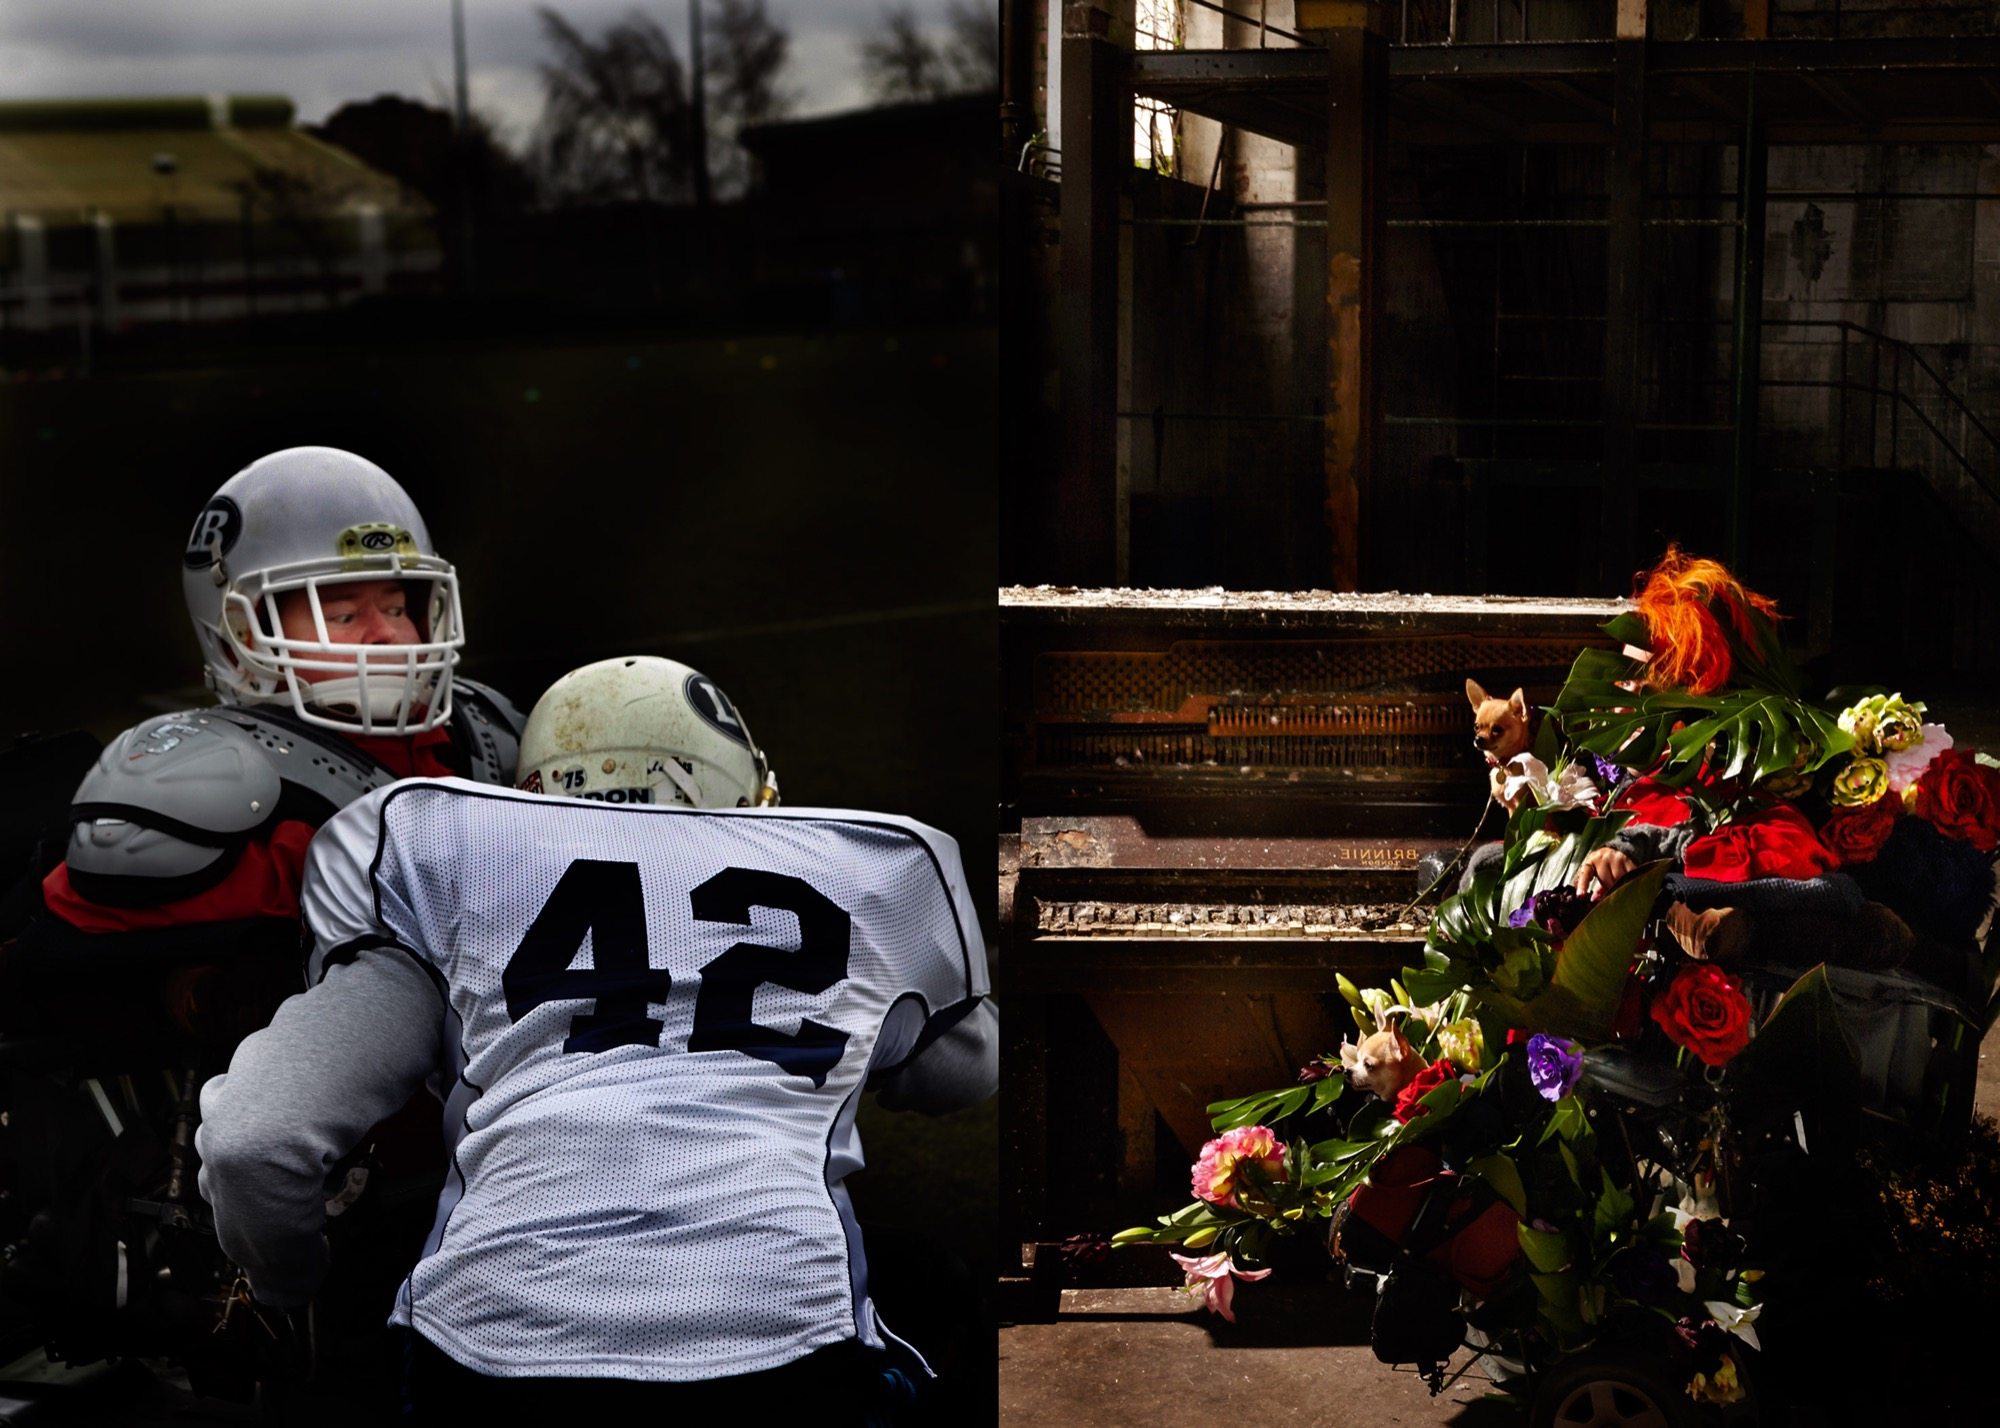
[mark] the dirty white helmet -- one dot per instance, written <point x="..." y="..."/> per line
<point x="641" y="729"/>
<point x="312" y="518"/>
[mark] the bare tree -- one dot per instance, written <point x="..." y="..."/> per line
<point x="972" y="54"/>
<point x="747" y="51"/>
<point x="616" y="118"/>
<point x="900" y="62"/>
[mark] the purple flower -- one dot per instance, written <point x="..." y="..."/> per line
<point x="1604" y="772"/>
<point x="1553" y="1065"/>
<point x="1557" y="909"/>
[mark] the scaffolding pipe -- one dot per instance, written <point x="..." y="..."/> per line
<point x="1750" y="180"/>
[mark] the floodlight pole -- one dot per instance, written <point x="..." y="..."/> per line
<point x="461" y="153"/>
<point x="458" y="59"/>
<point x="698" y="137"/>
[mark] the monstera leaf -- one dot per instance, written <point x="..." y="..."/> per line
<point x="1748" y="733"/>
<point x="1470" y="944"/>
<point x="1582" y="997"/>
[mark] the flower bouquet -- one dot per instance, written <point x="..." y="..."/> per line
<point x="1575" y="1121"/>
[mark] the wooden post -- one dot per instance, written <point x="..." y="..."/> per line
<point x="1081" y="534"/>
<point x="1624" y="263"/>
<point x="1357" y="90"/>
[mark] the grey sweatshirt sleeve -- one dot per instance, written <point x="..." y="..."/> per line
<point x="297" y="1097"/>
<point x="1646" y="843"/>
<point x="958" y="1067"/>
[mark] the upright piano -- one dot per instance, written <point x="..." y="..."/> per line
<point x="1212" y="802"/>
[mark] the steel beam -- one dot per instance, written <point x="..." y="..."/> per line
<point x="1097" y="157"/>
<point x="1161" y="70"/>
<point x="1751" y="169"/>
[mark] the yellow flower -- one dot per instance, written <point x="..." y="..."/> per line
<point x="1863" y="781"/>
<point x="1719" y="1388"/>
<point x="1884" y="723"/>
<point x="1901" y="724"/>
<point x="1462" y="1044"/>
<point x="1860" y="720"/>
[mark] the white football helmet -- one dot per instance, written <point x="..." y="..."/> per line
<point x="643" y="730"/>
<point x="309" y="518"/>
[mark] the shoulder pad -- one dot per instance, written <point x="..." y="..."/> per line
<point x="322" y="772"/>
<point x="489" y="732"/>
<point x="170" y="797"/>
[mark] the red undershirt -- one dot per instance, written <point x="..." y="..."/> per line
<point x="265" y="880"/>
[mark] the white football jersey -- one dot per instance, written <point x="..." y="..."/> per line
<point x="659" y="1023"/>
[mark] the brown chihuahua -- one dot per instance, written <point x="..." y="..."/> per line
<point x="1500" y="730"/>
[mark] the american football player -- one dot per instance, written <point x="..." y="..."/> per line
<point x="329" y="627"/>
<point x="650" y="1004"/>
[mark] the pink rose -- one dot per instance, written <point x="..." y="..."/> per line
<point x="1218" y="1174"/>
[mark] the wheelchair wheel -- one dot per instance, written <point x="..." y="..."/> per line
<point x="1612" y="1387"/>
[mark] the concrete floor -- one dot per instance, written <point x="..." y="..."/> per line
<point x="1135" y="1358"/>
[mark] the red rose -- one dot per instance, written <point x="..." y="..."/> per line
<point x="1856" y="835"/>
<point x="1428" y="1079"/>
<point x="1777" y="843"/>
<point x="1705" y="1010"/>
<point x="1660" y="807"/>
<point x="1962" y="797"/>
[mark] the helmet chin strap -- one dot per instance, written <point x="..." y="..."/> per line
<point x="690" y="791"/>
<point x="344" y="696"/>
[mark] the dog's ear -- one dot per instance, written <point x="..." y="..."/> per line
<point x="1518" y="702"/>
<point x="1474" y="693"/>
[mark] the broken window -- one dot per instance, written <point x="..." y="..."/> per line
<point x="1156" y="25"/>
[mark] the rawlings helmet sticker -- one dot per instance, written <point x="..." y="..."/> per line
<point x="375" y="538"/>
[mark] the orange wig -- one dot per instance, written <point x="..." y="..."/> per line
<point x="1685" y="602"/>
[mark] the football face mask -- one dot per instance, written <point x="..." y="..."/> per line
<point x="370" y="688"/>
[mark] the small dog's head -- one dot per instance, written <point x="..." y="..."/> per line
<point x="1383" y="1063"/>
<point x="1499" y="726"/>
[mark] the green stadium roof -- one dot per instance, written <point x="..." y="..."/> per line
<point x="66" y="161"/>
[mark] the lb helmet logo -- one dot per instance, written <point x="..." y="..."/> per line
<point x="215" y="532"/>
<point x="715" y="709"/>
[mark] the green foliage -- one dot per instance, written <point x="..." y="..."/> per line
<point x="1179" y="1228"/>
<point x="1747" y="733"/>
<point x="1588" y="973"/>
<point x="1470" y="944"/>
<point x="1265" y="1107"/>
<point x="1547" y="1250"/>
<point x="1504" y="1176"/>
<point x="1803" y="1048"/>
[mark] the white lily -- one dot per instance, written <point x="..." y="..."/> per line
<point x="1571" y="788"/>
<point x="1736" y="1319"/>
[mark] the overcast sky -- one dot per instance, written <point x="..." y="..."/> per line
<point x="325" y="52"/>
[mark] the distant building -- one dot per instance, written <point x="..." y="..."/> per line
<point x="892" y="209"/>
<point x="120" y="212"/>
